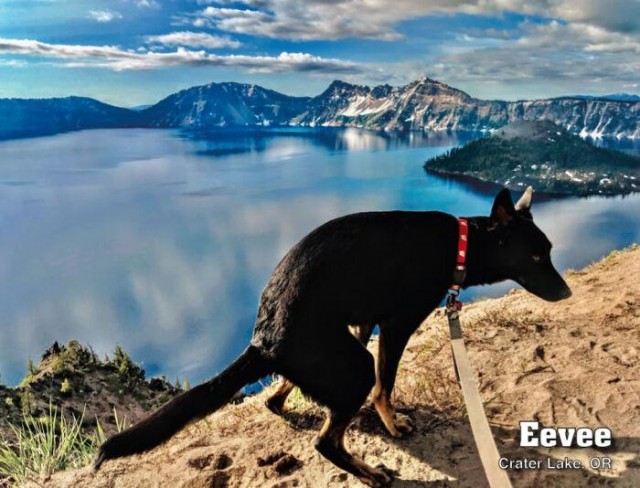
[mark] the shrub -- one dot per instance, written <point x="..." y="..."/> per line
<point x="65" y="387"/>
<point x="50" y="443"/>
<point x="46" y="444"/>
<point x="129" y="373"/>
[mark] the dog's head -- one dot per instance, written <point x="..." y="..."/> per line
<point x="521" y="250"/>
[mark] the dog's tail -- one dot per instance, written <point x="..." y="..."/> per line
<point x="190" y="405"/>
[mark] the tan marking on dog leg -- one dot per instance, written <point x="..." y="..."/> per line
<point x="276" y="402"/>
<point x="385" y="410"/>
<point x="381" y="398"/>
<point x="396" y="423"/>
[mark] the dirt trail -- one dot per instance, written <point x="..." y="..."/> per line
<point x="573" y="363"/>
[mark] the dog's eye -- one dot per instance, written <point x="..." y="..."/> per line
<point x="536" y="258"/>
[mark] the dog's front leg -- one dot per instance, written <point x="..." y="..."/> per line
<point x="393" y="339"/>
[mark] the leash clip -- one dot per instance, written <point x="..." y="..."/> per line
<point x="453" y="305"/>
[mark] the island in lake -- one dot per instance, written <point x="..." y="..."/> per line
<point x="544" y="155"/>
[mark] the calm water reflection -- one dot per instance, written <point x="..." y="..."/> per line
<point x="161" y="241"/>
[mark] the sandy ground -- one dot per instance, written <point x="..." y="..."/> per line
<point x="573" y="363"/>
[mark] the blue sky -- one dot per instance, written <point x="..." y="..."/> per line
<point x="131" y="52"/>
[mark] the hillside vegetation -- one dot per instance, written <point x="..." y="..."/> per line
<point x="73" y="379"/>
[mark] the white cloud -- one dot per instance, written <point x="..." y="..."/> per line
<point x="147" y="4"/>
<point x="613" y="15"/>
<point x="193" y="39"/>
<point x="284" y="62"/>
<point x="296" y="21"/>
<point x="552" y="51"/>
<point x="104" y="16"/>
<point x="112" y="57"/>
<point x="475" y="34"/>
<point x="558" y="36"/>
<point x="34" y="47"/>
<point x="596" y="39"/>
<point x="336" y="19"/>
<point x="13" y="63"/>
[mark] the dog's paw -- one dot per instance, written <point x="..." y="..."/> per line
<point x="390" y="472"/>
<point x="403" y="423"/>
<point x="378" y="477"/>
<point x="402" y="426"/>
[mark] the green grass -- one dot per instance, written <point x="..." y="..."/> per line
<point x="46" y="444"/>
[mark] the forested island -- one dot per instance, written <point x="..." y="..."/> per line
<point x="544" y="155"/>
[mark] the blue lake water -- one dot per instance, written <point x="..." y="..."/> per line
<point x="161" y="242"/>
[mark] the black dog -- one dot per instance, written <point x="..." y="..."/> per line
<point x="386" y="268"/>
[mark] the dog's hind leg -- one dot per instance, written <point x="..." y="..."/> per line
<point x="394" y="335"/>
<point x="276" y="401"/>
<point x="338" y="372"/>
<point x="330" y="444"/>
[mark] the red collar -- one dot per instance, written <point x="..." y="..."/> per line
<point x="461" y="259"/>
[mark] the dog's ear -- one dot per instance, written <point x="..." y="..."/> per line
<point x="523" y="207"/>
<point x="503" y="210"/>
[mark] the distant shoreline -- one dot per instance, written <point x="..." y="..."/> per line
<point x="485" y="187"/>
<point x="630" y="145"/>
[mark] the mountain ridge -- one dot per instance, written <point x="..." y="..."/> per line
<point x="619" y="97"/>
<point x="20" y="117"/>
<point x="424" y="104"/>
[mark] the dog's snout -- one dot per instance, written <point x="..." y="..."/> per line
<point x="566" y="293"/>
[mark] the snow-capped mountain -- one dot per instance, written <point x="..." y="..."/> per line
<point x="428" y="104"/>
<point x="424" y="104"/>
<point x="224" y="105"/>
